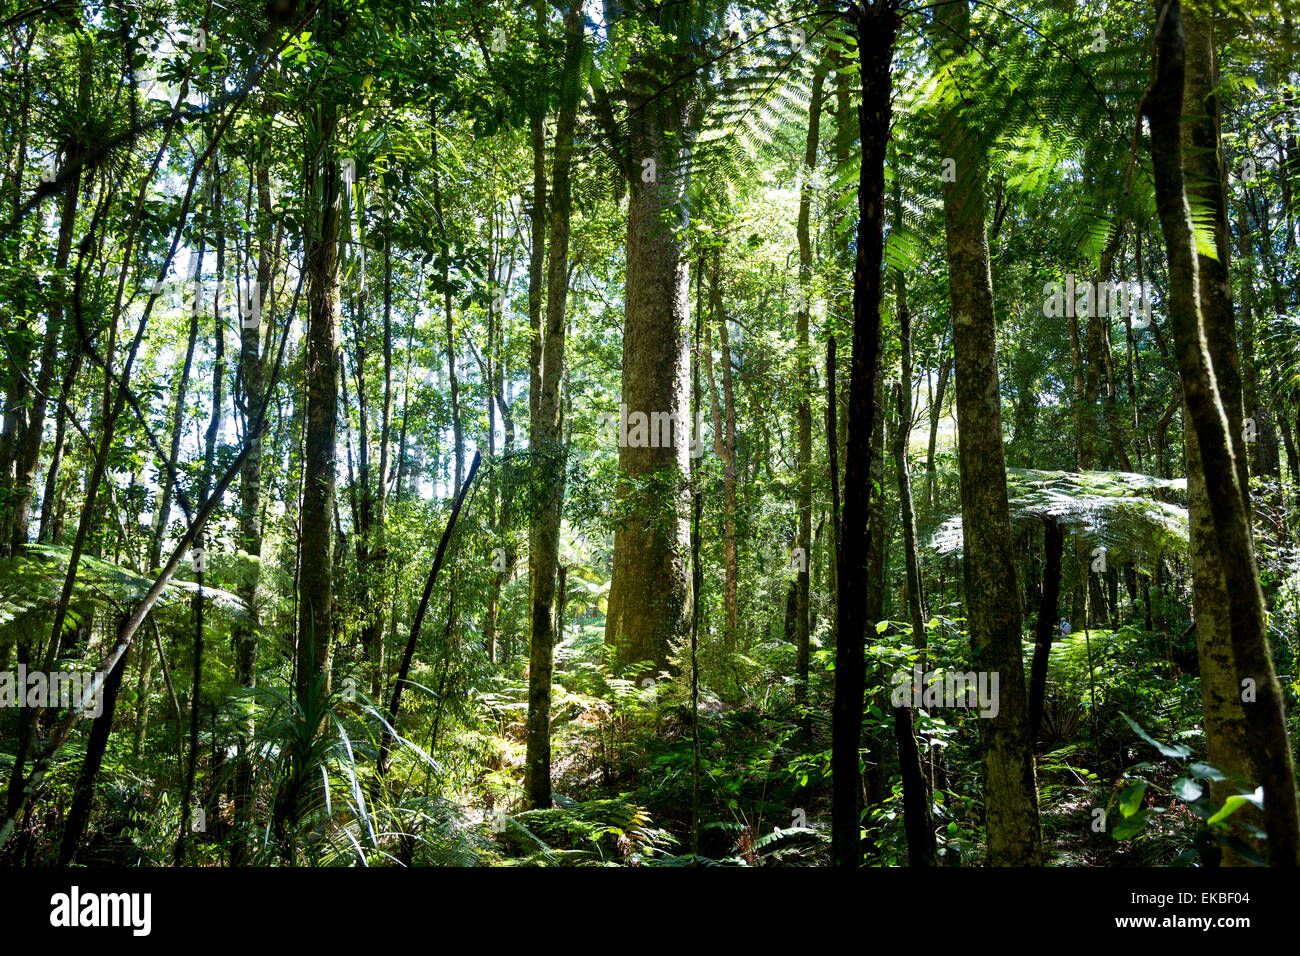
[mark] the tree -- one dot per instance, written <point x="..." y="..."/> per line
<point x="876" y="29"/>
<point x="1202" y="352"/>
<point x="316" y="542"/>
<point x="916" y="790"/>
<point x="993" y="603"/>
<point x="548" y="431"/>
<point x="803" y="422"/>
<point x="649" y="599"/>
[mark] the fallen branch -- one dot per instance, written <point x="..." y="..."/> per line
<point x="402" y="671"/>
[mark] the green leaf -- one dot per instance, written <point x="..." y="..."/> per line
<point x="1230" y="806"/>
<point x="1129" y="827"/>
<point x="1204" y="771"/>
<point x="1177" y="750"/>
<point x="1187" y="789"/>
<point x="1130" y="800"/>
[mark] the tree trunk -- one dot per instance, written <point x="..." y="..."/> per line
<point x="724" y="446"/>
<point x="804" y="414"/>
<point x="537" y="240"/>
<point x="877" y="686"/>
<point x="917" y="820"/>
<point x="1082" y="462"/>
<point x="316" y="567"/>
<point x="876" y="29"/>
<point x="1045" y="633"/>
<point x="547" y="438"/>
<point x="992" y="597"/>
<point x="255" y="313"/>
<point x="166" y="476"/>
<point x="936" y="413"/>
<point x="1227" y="732"/>
<point x="1201" y="338"/>
<point x="649" y="596"/>
<point x="96" y="747"/>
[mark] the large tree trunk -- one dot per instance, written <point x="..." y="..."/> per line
<point x="876" y="29"/>
<point x="649" y="597"/>
<point x="547" y="438"/>
<point x="1202" y="333"/>
<point x="1226" y="729"/>
<point x="877" y="686"/>
<point x="992" y="597"/>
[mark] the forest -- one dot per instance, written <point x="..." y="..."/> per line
<point x="641" y="433"/>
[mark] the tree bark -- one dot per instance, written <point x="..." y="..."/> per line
<point x="804" y="414"/>
<point x="724" y="446"/>
<point x="315" y="576"/>
<point x="1199" y="347"/>
<point x="649" y="597"/>
<point x="260" y="303"/>
<point x="548" y="436"/>
<point x="917" y="821"/>
<point x="32" y="432"/>
<point x="876" y="28"/>
<point x="1045" y="633"/>
<point x="1227" y="733"/>
<point x="992" y="597"/>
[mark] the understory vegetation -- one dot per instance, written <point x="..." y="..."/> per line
<point x="465" y="433"/>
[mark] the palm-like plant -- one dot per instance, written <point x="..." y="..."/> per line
<point x="327" y="806"/>
<point x="1112" y="510"/>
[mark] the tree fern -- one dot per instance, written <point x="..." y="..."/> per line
<point x="1111" y="510"/>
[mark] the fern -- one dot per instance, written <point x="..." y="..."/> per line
<point x="1108" y="509"/>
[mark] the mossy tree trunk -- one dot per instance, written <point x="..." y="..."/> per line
<point x="992" y="596"/>
<point x="1200" y="344"/>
